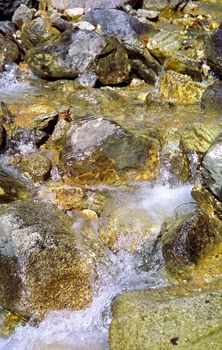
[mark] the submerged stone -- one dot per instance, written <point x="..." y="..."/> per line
<point x="163" y="319"/>
<point x="97" y="150"/>
<point x="39" y="255"/>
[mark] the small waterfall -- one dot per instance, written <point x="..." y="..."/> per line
<point x="89" y="329"/>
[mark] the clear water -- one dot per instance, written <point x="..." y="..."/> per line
<point x="88" y="329"/>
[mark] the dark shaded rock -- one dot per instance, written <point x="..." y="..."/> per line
<point x="211" y="101"/>
<point x="88" y="4"/>
<point x="213" y="51"/>
<point x="98" y="150"/>
<point x="7" y="27"/>
<point x="9" y="51"/>
<point x="166" y="319"/>
<point x="13" y="187"/>
<point x="187" y="240"/>
<point x="212" y="163"/>
<point x="39" y="255"/>
<point x="61" y="24"/>
<point x="114" y="66"/>
<point x="7" y="7"/>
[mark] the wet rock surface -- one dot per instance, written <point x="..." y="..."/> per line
<point x="97" y="150"/>
<point x="40" y="256"/>
<point x="164" y="319"/>
<point x="99" y="143"/>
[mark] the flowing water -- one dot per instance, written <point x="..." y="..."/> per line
<point x="88" y="329"/>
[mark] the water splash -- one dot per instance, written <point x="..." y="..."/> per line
<point x="9" y="76"/>
<point x="88" y="329"/>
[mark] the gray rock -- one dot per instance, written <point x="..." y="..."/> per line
<point x="9" y="51"/>
<point x="7" y="27"/>
<point x="211" y="101"/>
<point x="213" y="51"/>
<point x="71" y="55"/>
<point x="128" y="30"/>
<point x="98" y="150"/>
<point x="157" y="5"/>
<point x="22" y="14"/>
<point x="119" y="24"/>
<point x="7" y="7"/>
<point x="88" y="4"/>
<point x="212" y="162"/>
<point x="39" y="256"/>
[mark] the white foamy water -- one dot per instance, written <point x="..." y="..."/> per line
<point x="88" y="329"/>
<point x="9" y="85"/>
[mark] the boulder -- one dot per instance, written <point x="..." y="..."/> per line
<point x="9" y="51"/>
<point x="211" y="101"/>
<point x="164" y="44"/>
<point x="167" y="319"/>
<point x="21" y="15"/>
<point x="180" y="88"/>
<point x="188" y="240"/>
<point x="67" y="57"/>
<point x="37" y="32"/>
<point x="88" y="4"/>
<point x="13" y="186"/>
<point x="78" y="52"/>
<point x="213" y="51"/>
<point x="7" y="7"/>
<point x="37" y="165"/>
<point x="98" y="150"/>
<point x="212" y="163"/>
<point x="40" y="256"/>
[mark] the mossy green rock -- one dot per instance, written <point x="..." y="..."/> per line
<point x="39" y="255"/>
<point x="9" y="321"/>
<point x="37" y="32"/>
<point x="198" y="137"/>
<point x="154" y="320"/>
<point x="37" y="165"/>
<point x="180" y="88"/>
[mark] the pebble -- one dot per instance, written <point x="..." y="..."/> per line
<point x="74" y="12"/>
